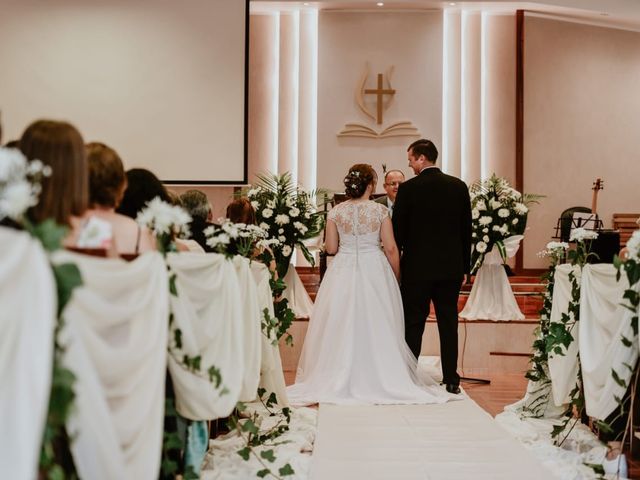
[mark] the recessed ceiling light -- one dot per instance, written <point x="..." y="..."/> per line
<point x="306" y="4"/>
<point x="380" y="4"/>
<point x="452" y="4"/>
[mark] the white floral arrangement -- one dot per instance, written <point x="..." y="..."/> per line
<point x="165" y="221"/>
<point x="633" y="246"/>
<point x="288" y="214"/>
<point x="238" y="238"/>
<point x="582" y="234"/>
<point x="498" y="211"/>
<point x="554" y="249"/>
<point x="19" y="183"/>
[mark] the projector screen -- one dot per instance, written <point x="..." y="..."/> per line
<point x="162" y="82"/>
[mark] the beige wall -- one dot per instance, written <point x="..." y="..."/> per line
<point x="581" y="121"/>
<point x="412" y="43"/>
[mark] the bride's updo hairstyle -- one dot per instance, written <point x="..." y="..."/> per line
<point x="357" y="180"/>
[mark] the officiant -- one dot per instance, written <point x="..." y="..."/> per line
<point x="392" y="180"/>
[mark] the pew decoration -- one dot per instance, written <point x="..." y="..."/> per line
<point x="166" y="222"/>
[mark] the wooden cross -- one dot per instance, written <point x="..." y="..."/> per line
<point x="379" y="92"/>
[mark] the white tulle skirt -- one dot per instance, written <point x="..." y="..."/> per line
<point x="354" y="351"/>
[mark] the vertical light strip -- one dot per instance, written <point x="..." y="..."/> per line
<point x="308" y="106"/>
<point x="484" y="140"/>
<point x="275" y="91"/>
<point x="451" y="93"/>
<point x="295" y="125"/>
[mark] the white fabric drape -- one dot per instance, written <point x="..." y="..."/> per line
<point x="208" y="312"/>
<point x="271" y="373"/>
<point x="116" y="343"/>
<point x="603" y="322"/>
<point x="27" y="321"/>
<point x="299" y="300"/>
<point x="563" y="369"/>
<point x="252" y="321"/>
<point x="491" y="297"/>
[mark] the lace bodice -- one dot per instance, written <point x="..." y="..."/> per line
<point x="358" y="223"/>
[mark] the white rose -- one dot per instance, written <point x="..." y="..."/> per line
<point x="282" y="219"/>
<point x="267" y="213"/>
<point x="294" y="212"/>
<point x="503" y="213"/>
<point x="481" y="247"/>
<point x="281" y="230"/>
<point x="486" y="220"/>
<point x="286" y="250"/>
<point x="475" y="213"/>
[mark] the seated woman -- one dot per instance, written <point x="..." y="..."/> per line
<point x="107" y="183"/>
<point x="65" y="193"/>
<point x="241" y="211"/>
<point x="142" y="187"/>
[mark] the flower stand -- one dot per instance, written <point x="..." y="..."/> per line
<point x="491" y="297"/>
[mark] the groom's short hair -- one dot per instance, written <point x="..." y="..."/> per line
<point x="424" y="147"/>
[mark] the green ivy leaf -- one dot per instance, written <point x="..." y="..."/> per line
<point x="173" y="289"/>
<point x="250" y="426"/>
<point x="268" y="455"/>
<point x="263" y="473"/>
<point x="286" y="470"/>
<point x="67" y="277"/>
<point x="49" y="233"/>
<point x="244" y="453"/>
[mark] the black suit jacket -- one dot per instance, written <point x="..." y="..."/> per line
<point x="432" y="226"/>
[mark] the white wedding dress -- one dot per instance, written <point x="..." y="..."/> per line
<point x="354" y="351"/>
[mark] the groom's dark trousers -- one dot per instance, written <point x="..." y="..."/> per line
<point x="432" y="227"/>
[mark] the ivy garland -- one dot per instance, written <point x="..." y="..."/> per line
<point x="539" y="371"/>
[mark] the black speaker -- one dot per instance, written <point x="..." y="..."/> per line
<point x="605" y="246"/>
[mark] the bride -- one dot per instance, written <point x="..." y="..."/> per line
<point x="354" y="351"/>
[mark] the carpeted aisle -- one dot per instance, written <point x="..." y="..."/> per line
<point x="453" y="441"/>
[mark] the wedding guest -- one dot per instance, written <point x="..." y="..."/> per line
<point x="392" y="180"/>
<point x="107" y="183"/>
<point x="65" y="193"/>
<point x="241" y="211"/>
<point x="142" y="187"/>
<point x="197" y="205"/>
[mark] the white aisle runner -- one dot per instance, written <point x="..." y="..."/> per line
<point x="452" y="441"/>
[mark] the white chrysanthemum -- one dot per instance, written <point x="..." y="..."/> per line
<point x="633" y="245"/>
<point x="294" y="212"/>
<point x="267" y="213"/>
<point x="209" y="231"/>
<point x="13" y="165"/>
<point x="231" y="229"/>
<point x="264" y="226"/>
<point x="486" y="220"/>
<point x="580" y="235"/>
<point x="485" y="239"/>
<point x="222" y="239"/>
<point x="503" y="213"/>
<point x="300" y="227"/>
<point x="475" y="213"/>
<point x="268" y="242"/>
<point x="557" y="246"/>
<point x="282" y="238"/>
<point x="253" y="192"/>
<point x="474" y="235"/>
<point x="282" y="219"/>
<point x="255" y="204"/>
<point x="286" y="250"/>
<point x="162" y="218"/>
<point x="481" y="247"/>
<point x="496" y="228"/>
<point x="485" y="230"/>
<point x="520" y="208"/>
<point x="281" y="230"/>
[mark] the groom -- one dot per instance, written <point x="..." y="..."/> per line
<point x="432" y="226"/>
